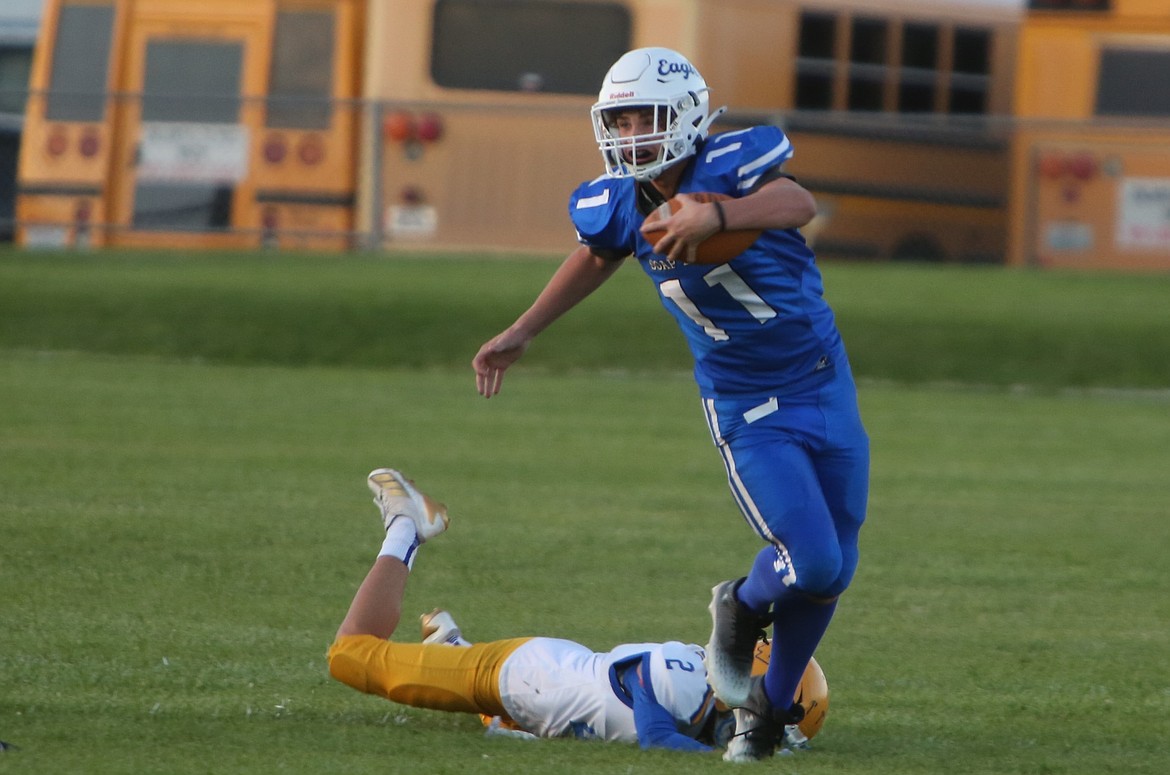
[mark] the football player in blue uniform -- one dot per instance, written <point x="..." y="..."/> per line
<point x="772" y="372"/>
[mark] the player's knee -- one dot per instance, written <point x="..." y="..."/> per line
<point x="820" y="576"/>
<point x="833" y="591"/>
<point x="847" y="567"/>
<point x="343" y="666"/>
<point x="336" y="658"/>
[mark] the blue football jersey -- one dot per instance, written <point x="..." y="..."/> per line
<point x="757" y="326"/>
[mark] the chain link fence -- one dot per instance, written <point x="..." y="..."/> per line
<point x="170" y="171"/>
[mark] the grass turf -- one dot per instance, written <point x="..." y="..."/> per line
<point x="909" y="324"/>
<point x="180" y="541"/>
<point x="183" y="517"/>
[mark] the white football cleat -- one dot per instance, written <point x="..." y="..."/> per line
<point x="759" y="730"/>
<point x="396" y="496"/>
<point x="756" y="743"/>
<point x="731" y="649"/>
<point x="439" y="627"/>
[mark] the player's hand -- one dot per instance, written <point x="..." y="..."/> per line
<point x="692" y="223"/>
<point x="494" y="358"/>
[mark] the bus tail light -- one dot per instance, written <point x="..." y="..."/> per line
<point x="401" y="126"/>
<point x="90" y="143"/>
<point x="1082" y="166"/>
<point x="57" y="142"/>
<point x="275" y="149"/>
<point x="1079" y="166"/>
<point x="1051" y="165"/>
<point x="311" y="150"/>
<point x="430" y="127"/>
<point x="398" y="126"/>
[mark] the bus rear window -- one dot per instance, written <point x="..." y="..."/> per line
<point x="527" y="45"/>
<point x="301" y="79"/>
<point x="15" y="64"/>
<point x="81" y="60"/>
<point x="1133" y="82"/>
<point x="194" y="81"/>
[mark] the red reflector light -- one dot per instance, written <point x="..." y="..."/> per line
<point x="90" y="143"/>
<point x="311" y="150"/>
<point x="275" y="149"/>
<point x="412" y="196"/>
<point x="1051" y="165"/>
<point x="398" y="126"/>
<point x="430" y="127"/>
<point x="1082" y="166"/>
<point x="57" y="142"/>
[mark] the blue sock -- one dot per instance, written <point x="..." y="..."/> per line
<point x="763" y="586"/>
<point x="798" y="624"/>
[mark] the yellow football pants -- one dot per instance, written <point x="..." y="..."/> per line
<point x="425" y="675"/>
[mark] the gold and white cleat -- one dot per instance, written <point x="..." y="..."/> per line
<point x="396" y="496"/>
<point x="439" y="627"/>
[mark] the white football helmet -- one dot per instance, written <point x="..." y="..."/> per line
<point x="661" y="80"/>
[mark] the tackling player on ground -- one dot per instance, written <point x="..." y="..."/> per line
<point x="655" y="694"/>
<point x="772" y="372"/>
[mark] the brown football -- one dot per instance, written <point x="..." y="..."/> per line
<point x="720" y="247"/>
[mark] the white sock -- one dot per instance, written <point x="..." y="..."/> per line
<point x="401" y="541"/>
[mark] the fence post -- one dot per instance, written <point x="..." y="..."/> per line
<point x="377" y="230"/>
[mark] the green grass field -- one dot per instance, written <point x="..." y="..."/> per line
<point x="183" y="516"/>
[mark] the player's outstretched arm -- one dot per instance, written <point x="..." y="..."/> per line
<point x="494" y="358"/>
<point x="656" y="727"/>
<point x="580" y="275"/>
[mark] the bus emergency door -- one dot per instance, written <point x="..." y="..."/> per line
<point x="185" y="130"/>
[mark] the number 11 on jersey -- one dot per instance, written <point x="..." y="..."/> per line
<point x="725" y="277"/>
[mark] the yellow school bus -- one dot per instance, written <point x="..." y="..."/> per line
<point x="160" y="123"/>
<point x="464" y="123"/>
<point x="887" y="105"/>
<point x="1090" y="155"/>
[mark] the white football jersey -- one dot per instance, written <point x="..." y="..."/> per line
<point x="554" y="687"/>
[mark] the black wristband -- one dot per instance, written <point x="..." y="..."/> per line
<point x="721" y="214"/>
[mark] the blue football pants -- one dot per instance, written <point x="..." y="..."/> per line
<point x="798" y="467"/>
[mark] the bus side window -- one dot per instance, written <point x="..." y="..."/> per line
<point x="816" y="61"/>
<point x="971" y="75"/>
<point x="1132" y="82"/>
<point x="527" y="45"/>
<point x="919" y="72"/>
<point x="81" y="61"/>
<point x="867" y="63"/>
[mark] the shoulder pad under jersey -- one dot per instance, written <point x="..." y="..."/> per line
<point x="604" y="214"/>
